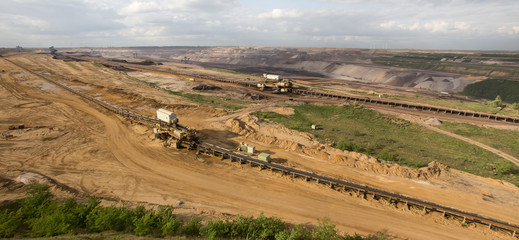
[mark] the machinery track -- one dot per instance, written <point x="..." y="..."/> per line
<point x="335" y="184"/>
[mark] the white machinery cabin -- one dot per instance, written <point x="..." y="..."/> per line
<point x="167" y="116"/>
<point x="272" y="76"/>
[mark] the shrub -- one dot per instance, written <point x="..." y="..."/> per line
<point x="192" y="228"/>
<point x="52" y="222"/>
<point x="325" y="230"/>
<point x="497" y="102"/>
<point x="145" y="224"/>
<point x="10" y="221"/>
<point x="265" y="227"/>
<point x="110" y="218"/>
<point x="38" y="199"/>
<point x="515" y="106"/>
<point x="216" y="228"/>
<point x="168" y="223"/>
<point x="298" y="232"/>
<point x="77" y="213"/>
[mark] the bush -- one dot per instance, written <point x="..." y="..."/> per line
<point x="110" y="218"/>
<point x="497" y="102"/>
<point x="216" y="228"/>
<point x="298" y="232"/>
<point x="168" y="223"/>
<point x="145" y="224"/>
<point x="77" y="213"/>
<point x="52" y="222"/>
<point x="38" y="199"/>
<point x="9" y="223"/>
<point x="325" y="230"/>
<point x="192" y="228"/>
<point x="515" y="106"/>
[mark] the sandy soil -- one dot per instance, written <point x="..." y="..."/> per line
<point x="94" y="152"/>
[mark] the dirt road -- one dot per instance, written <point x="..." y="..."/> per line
<point x="481" y="145"/>
<point x="95" y="152"/>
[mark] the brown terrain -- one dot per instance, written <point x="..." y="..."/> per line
<point x="87" y="150"/>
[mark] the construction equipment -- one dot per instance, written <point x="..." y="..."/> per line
<point x="284" y="85"/>
<point x="173" y="134"/>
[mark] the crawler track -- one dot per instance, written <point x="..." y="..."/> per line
<point x="306" y="92"/>
<point x="335" y="184"/>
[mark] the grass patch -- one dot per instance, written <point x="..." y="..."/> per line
<point x="491" y="88"/>
<point x="99" y="65"/>
<point x="72" y="65"/>
<point x="504" y="140"/>
<point x="355" y="128"/>
<point x="40" y="214"/>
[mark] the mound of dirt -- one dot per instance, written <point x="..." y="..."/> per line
<point x="28" y="178"/>
<point x="55" y="187"/>
<point x="275" y="134"/>
<point x="433" y="122"/>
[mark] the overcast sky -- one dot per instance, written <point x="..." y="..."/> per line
<point x="400" y="24"/>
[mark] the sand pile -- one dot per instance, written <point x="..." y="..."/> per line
<point x="28" y="178"/>
<point x="433" y="122"/>
<point x="275" y="134"/>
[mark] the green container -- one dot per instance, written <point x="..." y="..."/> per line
<point x="264" y="157"/>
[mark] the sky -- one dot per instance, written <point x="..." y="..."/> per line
<point x="392" y="24"/>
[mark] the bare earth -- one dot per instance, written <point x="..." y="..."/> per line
<point x="97" y="153"/>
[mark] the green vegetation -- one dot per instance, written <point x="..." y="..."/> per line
<point x="41" y="215"/>
<point x="99" y="65"/>
<point x="463" y="65"/>
<point x="355" y="128"/>
<point x="72" y="65"/>
<point x="497" y="102"/>
<point x="504" y="140"/>
<point x="491" y="88"/>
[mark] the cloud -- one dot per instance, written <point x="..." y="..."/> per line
<point x="155" y="6"/>
<point x="510" y="30"/>
<point x="434" y="24"/>
<point x="279" y="14"/>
